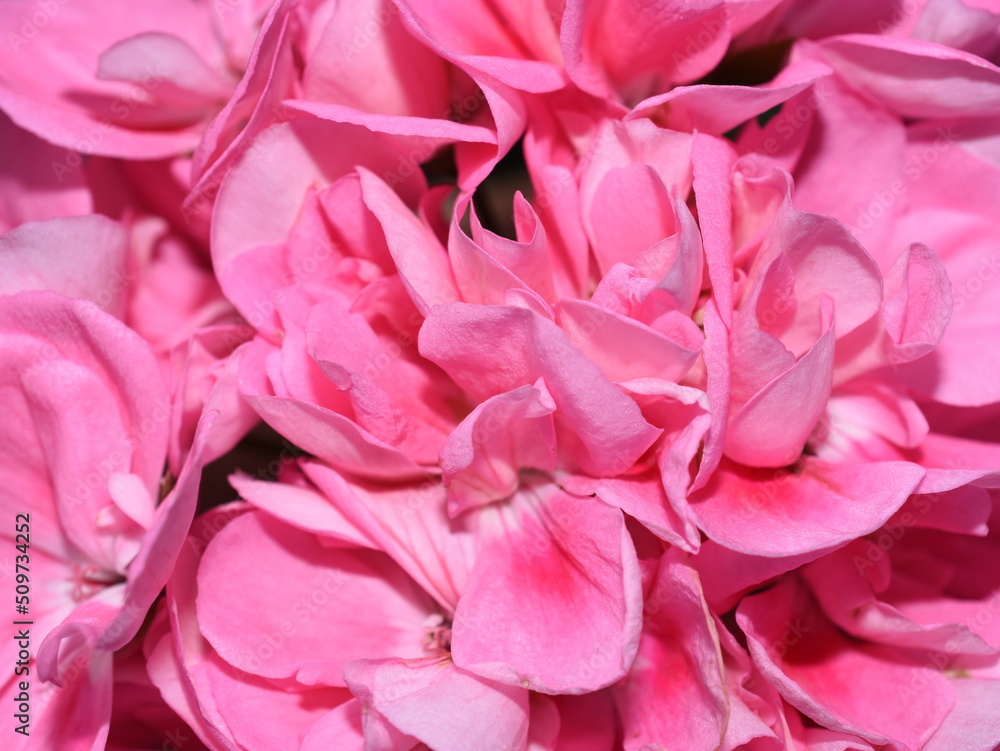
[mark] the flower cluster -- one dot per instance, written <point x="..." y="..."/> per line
<point x="587" y="375"/>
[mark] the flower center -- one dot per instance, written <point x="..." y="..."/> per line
<point x="437" y="635"/>
<point x="88" y="580"/>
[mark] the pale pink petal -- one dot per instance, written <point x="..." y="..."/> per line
<point x="409" y="522"/>
<point x="327" y="605"/>
<point x="300" y="507"/>
<point x="626" y="349"/>
<point x="482" y="459"/>
<point x="971" y="724"/>
<point x="814" y="505"/>
<point x="419" y="698"/>
<point x="914" y="78"/>
<point x="917" y="304"/>
<point x="83" y="257"/>
<point x="188" y="81"/>
<point x="490" y="350"/>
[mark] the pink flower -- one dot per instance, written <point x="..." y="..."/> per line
<point x="384" y="674"/>
<point x="85" y="439"/>
<point x="97" y="78"/>
<point x="633" y="367"/>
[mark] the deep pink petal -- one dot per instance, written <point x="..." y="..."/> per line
<point x="677" y="688"/>
<point x="553" y="600"/>
<point x="866" y="690"/>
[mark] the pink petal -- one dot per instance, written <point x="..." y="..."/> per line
<point x="482" y="459"/>
<point x="553" y="600"/>
<point x="422" y="262"/>
<point x="255" y="104"/>
<point x="641" y="49"/>
<point x="772" y="428"/>
<point x="420" y="698"/>
<point x="321" y="431"/>
<point x="630" y="211"/>
<point x="727" y="575"/>
<point x="677" y="688"/>
<point x="917" y="304"/>
<point x="626" y="349"/>
<point x="515" y="45"/>
<point x="71" y="368"/>
<point x="718" y="389"/>
<point x="913" y="78"/>
<point x="713" y="168"/>
<point x="780" y="513"/>
<point x="327" y="606"/>
<point x="300" y="507"/>
<point x="340" y="728"/>
<point x="641" y="497"/>
<point x="387" y="72"/>
<point x="971" y="724"/>
<point x="30" y="194"/>
<point x="295" y="161"/>
<point x="861" y="689"/>
<point x="842" y="586"/>
<point x="82" y="257"/>
<point x="51" y="89"/>
<point x="606" y="426"/>
<point x="409" y="522"/>
<point x="716" y="109"/>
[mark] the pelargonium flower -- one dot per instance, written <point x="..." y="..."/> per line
<point x="85" y="443"/>
<point x="632" y="368"/>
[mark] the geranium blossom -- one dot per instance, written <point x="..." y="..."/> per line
<point x="531" y="376"/>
